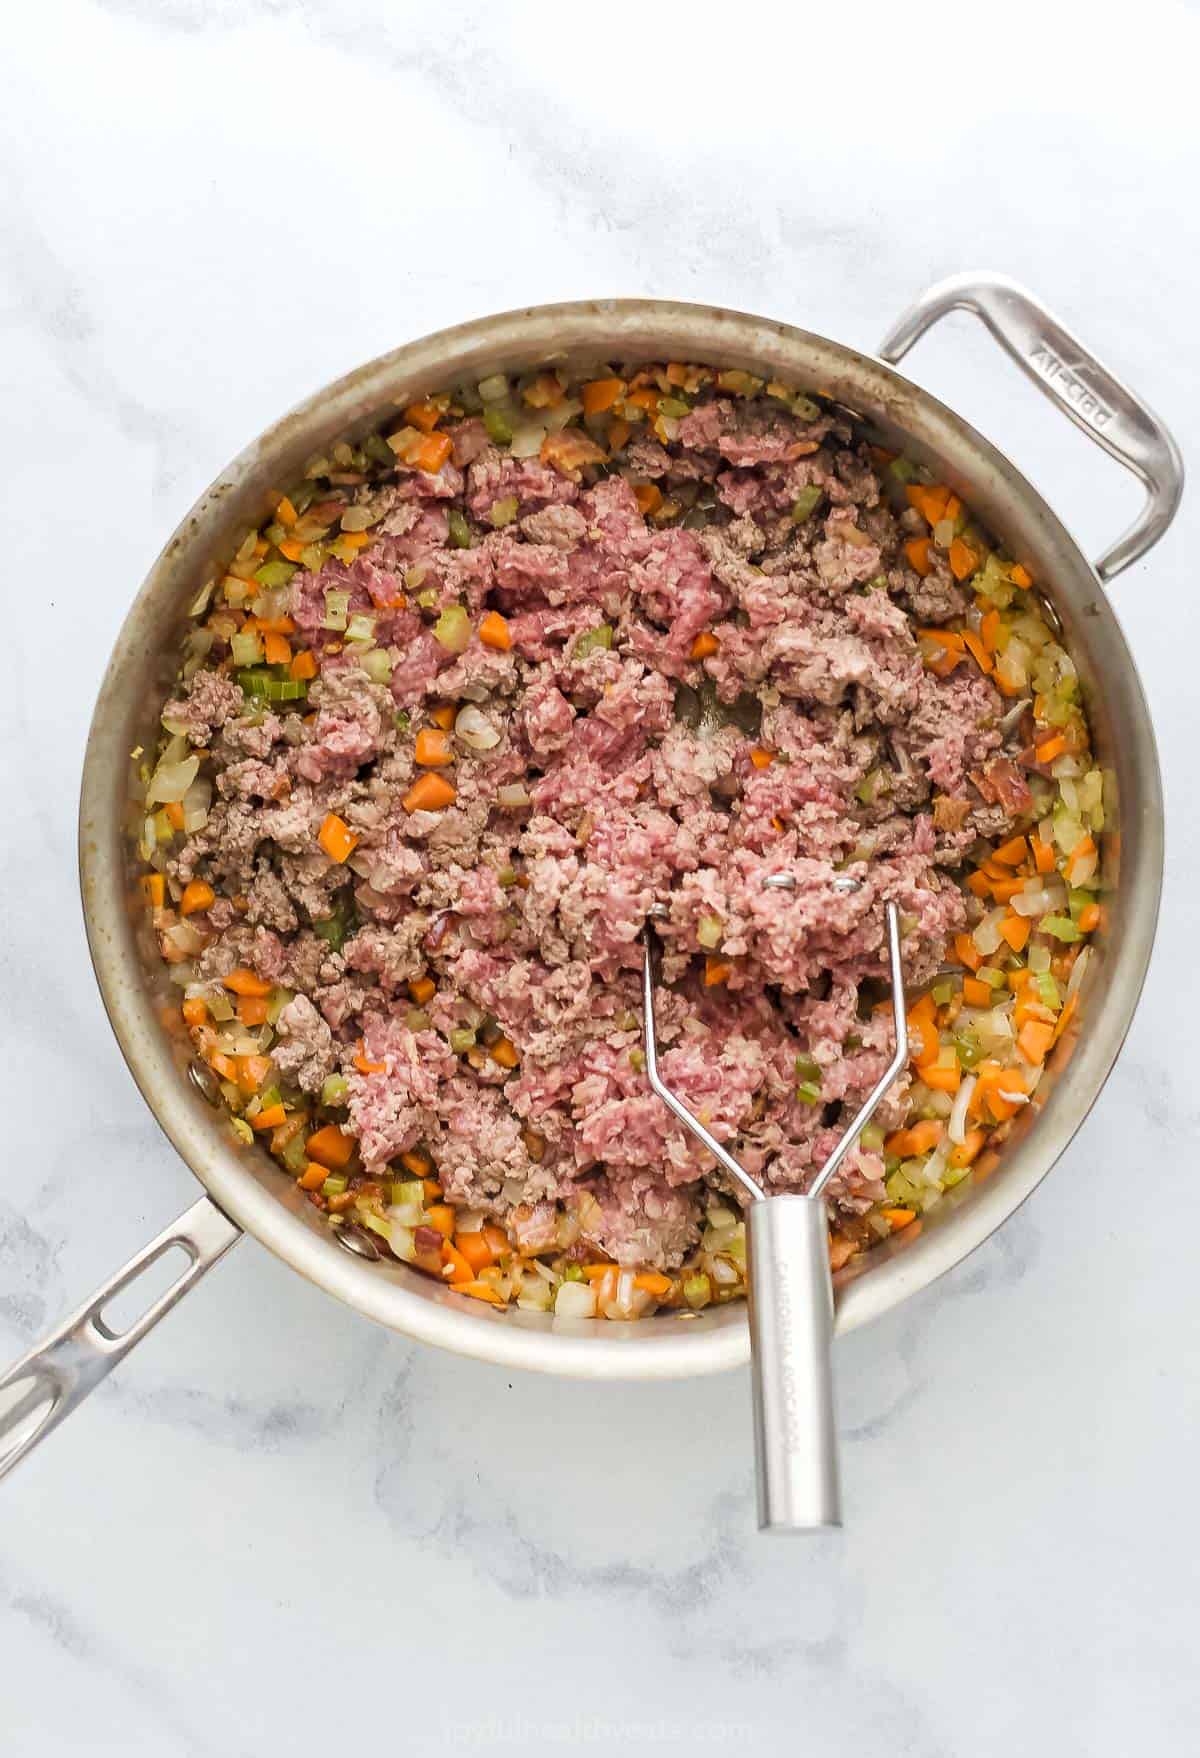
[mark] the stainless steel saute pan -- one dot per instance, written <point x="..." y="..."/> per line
<point x="245" y="1191"/>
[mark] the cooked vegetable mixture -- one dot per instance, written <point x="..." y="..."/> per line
<point x="486" y="687"/>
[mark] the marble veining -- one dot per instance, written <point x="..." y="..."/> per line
<point x="276" y="1528"/>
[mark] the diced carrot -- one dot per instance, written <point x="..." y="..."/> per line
<point x="252" y="1009"/>
<point x="195" y="1013"/>
<point x="455" y="1268"/>
<point x="443" y="715"/>
<point x="942" y="1080"/>
<point x="431" y="454"/>
<point x="1004" y="890"/>
<point x="841" y="1250"/>
<point x="433" y="1190"/>
<point x="963" y="560"/>
<point x="898" y="1218"/>
<point x="929" y="498"/>
<point x="271" y="1118"/>
<point x="1027" y="1009"/>
<point x="1012" y="852"/>
<point x="1015" y="929"/>
<point x="416" y="1162"/>
<point x="648" y="496"/>
<point x="304" y="665"/>
<point x="494" y="633"/>
<point x="504" y="1051"/>
<point x="618" y="434"/>
<point x="197" y="895"/>
<point x="285" y="512"/>
<point x="917" y="551"/>
<point x="423" y="415"/>
<point x="923" y="1031"/>
<point x="967" y="953"/>
<point x="975" y="647"/>
<point x="432" y="748"/>
<point x="313" y="1176"/>
<point x="918" y="1140"/>
<point x="1034" y="1040"/>
<point x="1020" y="576"/>
<point x="1050" y="748"/>
<point x="154" y="889"/>
<point x="653" y="1282"/>
<point x="645" y="398"/>
<point x="174" y="814"/>
<point x="277" y="650"/>
<point x="331" y="1147"/>
<point x="705" y="644"/>
<point x="292" y="549"/>
<point x="480" y="1291"/>
<point x="975" y="993"/>
<point x="978" y="883"/>
<point x="595" y="1272"/>
<point x="1065" y="1017"/>
<point x="544" y="392"/>
<point x="498" y="1240"/>
<point x="422" y="989"/>
<point x="600" y="394"/>
<point x="1081" y="852"/>
<point x="761" y="758"/>
<point x="441" y="1218"/>
<point x="1089" y="918"/>
<point x="568" y="451"/>
<point x="476" y="1251"/>
<point x="244" y="982"/>
<point x="1043" y="853"/>
<point x="364" y="1065"/>
<point x="965" y="1151"/>
<point x="252" y="1072"/>
<point x="429" y="793"/>
<point x="716" y="970"/>
<point x="337" y="839"/>
<point x="989" y="629"/>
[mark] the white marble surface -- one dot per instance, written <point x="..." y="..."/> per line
<point x="278" y="1529"/>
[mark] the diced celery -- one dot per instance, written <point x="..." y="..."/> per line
<point x="1048" y="990"/>
<point x="903" y="469"/>
<point x="335" y="1185"/>
<point x="871" y="1138"/>
<point x="459" y="530"/>
<point x="809" y="1092"/>
<point x="593" y="641"/>
<point x="461" y="1039"/>
<point x="499" y="427"/>
<point x="943" y="993"/>
<point x="360" y="628"/>
<point x="637" y="1060"/>
<point x="697" y="1291"/>
<point x="453" y="629"/>
<point x="337" y="606"/>
<point x="970" y="1050"/>
<point x="246" y="649"/>
<point x="805" y="501"/>
<point x="377" y="664"/>
<point x="987" y="973"/>
<point x="805" y="408"/>
<point x="674" y="407"/>
<point x="275" y="573"/>
<point x="1061" y="927"/>
<point x="334" y="1089"/>
<point x="504" y="512"/>
<point x="808" y="1068"/>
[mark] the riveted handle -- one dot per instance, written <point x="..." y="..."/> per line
<point x="791" y="1329"/>
<point x="1068" y="372"/>
<point x="41" y="1389"/>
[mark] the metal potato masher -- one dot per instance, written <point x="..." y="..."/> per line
<point x="789" y="1285"/>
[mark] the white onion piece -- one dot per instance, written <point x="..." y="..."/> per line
<point x="956" y="1129"/>
<point x="1043" y="902"/>
<point x="575" y="1300"/>
<point x="512" y="795"/>
<point x="475" y="730"/>
<point x="527" y="441"/>
<point x="1077" y="972"/>
<point x="987" y="935"/>
<point x="171" y="781"/>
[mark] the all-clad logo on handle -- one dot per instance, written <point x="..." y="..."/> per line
<point x="1071" y="386"/>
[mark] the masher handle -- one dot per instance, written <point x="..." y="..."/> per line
<point x="791" y="1333"/>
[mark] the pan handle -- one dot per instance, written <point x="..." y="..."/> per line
<point x="1059" y="364"/>
<point x="791" y="1328"/>
<point x="43" y="1387"/>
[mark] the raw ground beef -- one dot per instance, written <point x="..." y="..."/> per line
<point x="810" y="738"/>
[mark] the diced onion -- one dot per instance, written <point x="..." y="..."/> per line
<point x="956" y="1129"/>
<point x="987" y="935"/>
<point x="1039" y="903"/>
<point x="512" y="795"/>
<point x="1078" y="969"/>
<point x="475" y="730"/>
<point x="575" y="1300"/>
<point x="493" y="389"/>
<point x="171" y="781"/>
<point x="527" y="441"/>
